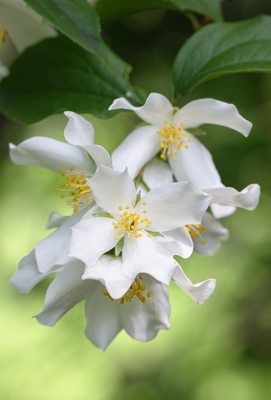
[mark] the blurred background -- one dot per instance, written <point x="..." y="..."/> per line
<point x="220" y="350"/>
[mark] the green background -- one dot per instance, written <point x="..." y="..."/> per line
<point x="218" y="351"/>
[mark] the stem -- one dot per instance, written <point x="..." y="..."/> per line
<point x="193" y="19"/>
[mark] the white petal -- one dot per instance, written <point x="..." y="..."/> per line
<point x="55" y="220"/>
<point x="138" y="148"/>
<point x="112" y="189"/>
<point x="52" y="154"/>
<point x="178" y="242"/>
<point x="210" y="239"/>
<point x="103" y="320"/>
<point x="211" y="111"/>
<point x="156" y="111"/>
<point x="174" y="205"/>
<point x="28" y="275"/>
<point x="222" y="211"/>
<point x="66" y="290"/>
<point x="53" y="250"/>
<point x="91" y="238"/>
<point x="25" y="26"/>
<point x="110" y="272"/>
<point x="157" y="173"/>
<point x="142" y="321"/>
<point x="248" y="198"/>
<point x="195" y="165"/>
<point x="199" y="291"/>
<point x="78" y="130"/>
<point x="99" y="155"/>
<point x="147" y="255"/>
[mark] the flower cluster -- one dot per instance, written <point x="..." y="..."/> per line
<point x="156" y="197"/>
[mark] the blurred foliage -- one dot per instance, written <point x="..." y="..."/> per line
<point x="220" y="350"/>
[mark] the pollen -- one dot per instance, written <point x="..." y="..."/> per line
<point x="173" y="139"/>
<point x="75" y="190"/>
<point x="3" y="35"/>
<point x="136" y="290"/>
<point x="131" y="222"/>
<point x="195" y="231"/>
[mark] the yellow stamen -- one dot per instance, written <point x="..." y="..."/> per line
<point x="137" y="290"/>
<point x="76" y="190"/>
<point x="195" y="231"/>
<point x="173" y="138"/>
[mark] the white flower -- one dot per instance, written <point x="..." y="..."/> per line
<point x="20" y="27"/>
<point x="137" y="223"/>
<point x="208" y="235"/>
<point x="76" y="161"/>
<point x="142" y="309"/>
<point x="168" y="130"/>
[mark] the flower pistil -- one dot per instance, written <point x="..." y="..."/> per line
<point x="131" y="222"/>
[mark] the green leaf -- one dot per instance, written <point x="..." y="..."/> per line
<point x="119" y="247"/>
<point x="75" y="19"/>
<point x="223" y="48"/>
<point x="112" y="9"/>
<point x="78" y="21"/>
<point x="57" y="75"/>
<point x="211" y="8"/>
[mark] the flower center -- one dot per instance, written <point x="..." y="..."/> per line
<point x="3" y="35"/>
<point x="131" y="222"/>
<point x="173" y="138"/>
<point x="195" y="231"/>
<point x="137" y="289"/>
<point x="75" y="190"/>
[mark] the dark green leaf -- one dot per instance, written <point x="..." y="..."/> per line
<point x="74" y="18"/>
<point x="197" y="131"/>
<point x="211" y="8"/>
<point x="223" y="48"/>
<point x="111" y="9"/>
<point x="57" y="75"/>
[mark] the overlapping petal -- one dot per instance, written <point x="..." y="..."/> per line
<point x="54" y="249"/>
<point x="195" y="165"/>
<point x="28" y="275"/>
<point x="66" y="290"/>
<point x="103" y="318"/>
<point x="138" y="148"/>
<point x="110" y="272"/>
<point x="78" y="131"/>
<point x="142" y="321"/>
<point x="174" y="205"/>
<point x="147" y="255"/>
<point x="112" y="189"/>
<point x="157" y="173"/>
<point x="91" y="238"/>
<point x="178" y="242"/>
<point x="209" y="241"/>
